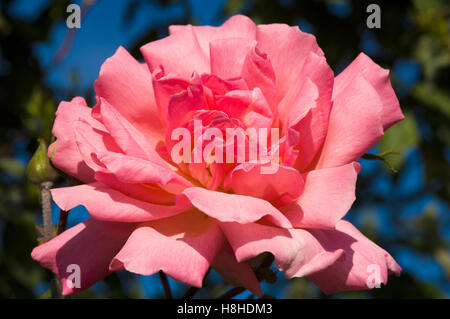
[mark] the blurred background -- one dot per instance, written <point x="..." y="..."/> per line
<point x="403" y="204"/>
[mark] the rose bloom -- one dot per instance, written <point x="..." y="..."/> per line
<point x="149" y="213"/>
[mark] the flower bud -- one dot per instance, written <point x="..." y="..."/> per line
<point x="39" y="168"/>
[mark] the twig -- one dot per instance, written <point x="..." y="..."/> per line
<point x="165" y="283"/>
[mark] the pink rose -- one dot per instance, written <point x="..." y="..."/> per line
<point x="150" y="212"/>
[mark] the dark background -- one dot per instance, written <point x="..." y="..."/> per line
<point x="407" y="213"/>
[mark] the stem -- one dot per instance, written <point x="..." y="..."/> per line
<point x="165" y="283"/>
<point x="46" y="198"/>
<point x="190" y="292"/>
<point x="47" y="208"/>
<point x="56" y="288"/>
<point x="232" y="293"/>
<point x="62" y="223"/>
<point x="266" y="262"/>
<point x="193" y="290"/>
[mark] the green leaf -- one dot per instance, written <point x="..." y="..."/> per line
<point x="382" y="157"/>
<point x="399" y="139"/>
<point x="433" y="97"/>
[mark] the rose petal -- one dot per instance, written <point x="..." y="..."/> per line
<point x="296" y="251"/>
<point x="237" y="26"/>
<point x="232" y="208"/>
<point x="379" y="79"/>
<point x="355" y="124"/>
<point x="287" y="48"/>
<point x="257" y="71"/>
<point x="235" y="273"/>
<point x="164" y="86"/>
<point x="363" y="259"/>
<point x="327" y="197"/>
<point x="64" y="153"/>
<point x="134" y="170"/>
<point x="283" y="186"/>
<point x="306" y="108"/>
<point x="105" y="203"/>
<point x="127" y="85"/>
<point x="126" y="136"/>
<point x="183" y="246"/>
<point x="179" y="53"/>
<point x="90" y="245"/>
<point x="93" y="141"/>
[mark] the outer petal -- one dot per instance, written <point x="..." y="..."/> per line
<point x="379" y="79"/>
<point x="105" y="203"/>
<point x="91" y="245"/>
<point x="127" y="85"/>
<point x="64" y="153"/>
<point x="328" y="195"/>
<point x="134" y="170"/>
<point x="182" y="246"/>
<point x="363" y="259"/>
<point x="235" y="273"/>
<point x="287" y="48"/>
<point x="238" y="26"/>
<point x="143" y="192"/>
<point x="179" y="53"/>
<point x="296" y="251"/>
<point x="231" y="207"/>
<point x="279" y="188"/>
<point x="355" y="124"/>
<point x="336" y="260"/>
